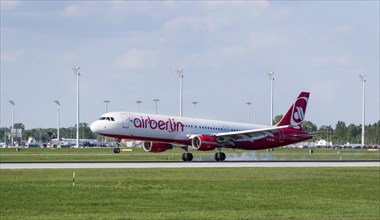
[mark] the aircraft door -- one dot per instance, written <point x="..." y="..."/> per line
<point x="126" y="120"/>
<point x="282" y="136"/>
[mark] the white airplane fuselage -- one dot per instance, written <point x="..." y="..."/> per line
<point x="162" y="132"/>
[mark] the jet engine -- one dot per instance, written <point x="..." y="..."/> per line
<point x="156" y="147"/>
<point x="204" y="143"/>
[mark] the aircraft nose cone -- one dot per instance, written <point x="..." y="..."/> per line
<point x="94" y="127"/>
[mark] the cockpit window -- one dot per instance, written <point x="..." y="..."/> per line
<point x="106" y="118"/>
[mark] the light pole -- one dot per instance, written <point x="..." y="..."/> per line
<point x="13" y="119"/>
<point x="249" y="111"/>
<point x="363" y="79"/>
<point x="156" y="100"/>
<point x="106" y="102"/>
<point x="58" y="116"/>
<point x="180" y="75"/>
<point x="138" y="104"/>
<point x="271" y="78"/>
<point x="77" y="73"/>
<point x="195" y="109"/>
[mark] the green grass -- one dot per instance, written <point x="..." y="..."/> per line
<point x="106" y="154"/>
<point x="214" y="193"/>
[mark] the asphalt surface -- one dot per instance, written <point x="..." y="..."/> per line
<point x="194" y="164"/>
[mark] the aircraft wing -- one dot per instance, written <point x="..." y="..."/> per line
<point x="251" y="135"/>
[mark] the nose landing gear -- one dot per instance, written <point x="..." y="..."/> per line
<point x="116" y="150"/>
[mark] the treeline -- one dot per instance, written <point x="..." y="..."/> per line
<point x="340" y="134"/>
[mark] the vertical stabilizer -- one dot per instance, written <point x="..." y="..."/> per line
<point x="296" y="113"/>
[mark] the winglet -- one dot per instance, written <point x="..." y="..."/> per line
<point x="296" y="113"/>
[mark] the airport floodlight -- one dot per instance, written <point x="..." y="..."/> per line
<point x="180" y="75"/>
<point x="249" y="111"/>
<point x="138" y="104"/>
<point x="77" y="73"/>
<point x="195" y="109"/>
<point x="76" y="70"/>
<point x="271" y="78"/>
<point x="58" y="117"/>
<point x="13" y="118"/>
<point x="106" y="102"/>
<point x="156" y="100"/>
<point x="364" y="80"/>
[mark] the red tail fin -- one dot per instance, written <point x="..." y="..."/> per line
<point x="296" y="113"/>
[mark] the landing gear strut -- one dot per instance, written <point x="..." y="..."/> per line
<point x="187" y="156"/>
<point x="116" y="150"/>
<point x="220" y="156"/>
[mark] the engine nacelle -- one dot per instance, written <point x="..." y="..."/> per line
<point x="156" y="147"/>
<point x="204" y="143"/>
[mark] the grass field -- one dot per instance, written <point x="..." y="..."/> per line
<point x="106" y="154"/>
<point x="218" y="193"/>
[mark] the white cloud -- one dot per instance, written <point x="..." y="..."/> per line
<point x="9" y="5"/>
<point x="70" y="57"/>
<point x="234" y="51"/>
<point x="344" y="60"/>
<point x="72" y="11"/>
<point x="137" y="59"/>
<point x="225" y="5"/>
<point x="195" y="23"/>
<point x="12" y="56"/>
<point x="263" y="40"/>
<point x="343" y="29"/>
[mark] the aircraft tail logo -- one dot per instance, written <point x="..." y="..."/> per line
<point x="296" y="113"/>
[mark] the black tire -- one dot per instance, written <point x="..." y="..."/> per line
<point x="222" y="156"/>
<point x="216" y="156"/>
<point x="184" y="158"/>
<point x="116" y="150"/>
<point x="189" y="156"/>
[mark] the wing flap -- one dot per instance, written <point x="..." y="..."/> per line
<point x="254" y="132"/>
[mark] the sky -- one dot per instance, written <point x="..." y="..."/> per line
<point x="129" y="51"/>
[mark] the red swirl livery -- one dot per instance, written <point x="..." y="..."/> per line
<point x="162" y="132"/>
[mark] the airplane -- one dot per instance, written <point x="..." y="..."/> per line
<point x="161" y="132"/>
<point x="67" y="142"/>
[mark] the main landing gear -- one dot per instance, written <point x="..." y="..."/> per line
<point x="220" y="156"/>
<point x="116" y="150"/>
<point x="187" y="156"/>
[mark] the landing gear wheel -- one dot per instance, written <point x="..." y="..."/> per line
<point x="216" y="156"/>
<point x="187" y="156"/>
<point x="220" y="156"/>
<point x="116" y="150"/>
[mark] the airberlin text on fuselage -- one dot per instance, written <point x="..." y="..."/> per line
<point x="168" y="125"/>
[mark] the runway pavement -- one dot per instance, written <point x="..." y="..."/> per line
<point x="194" y="164"/>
